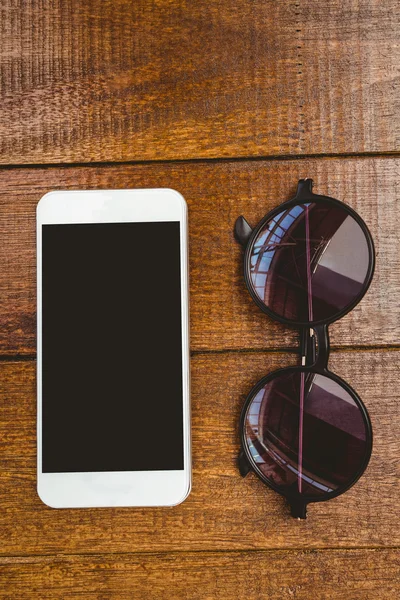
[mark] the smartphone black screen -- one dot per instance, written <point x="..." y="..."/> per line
<point x="111" y="347"/>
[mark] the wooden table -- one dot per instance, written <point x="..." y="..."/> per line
<point x="230" y="103"/>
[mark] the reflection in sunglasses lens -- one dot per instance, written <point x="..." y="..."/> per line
<point x="310" y="262"/>
<point x="333" y="445"/>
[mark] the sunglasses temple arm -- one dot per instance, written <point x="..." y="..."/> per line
<point x="298" y="507"/>
<point x="242" y="231"/>
<point x="243" y="464"/>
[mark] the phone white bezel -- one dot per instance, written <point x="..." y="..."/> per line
<point x="116" y="488"/>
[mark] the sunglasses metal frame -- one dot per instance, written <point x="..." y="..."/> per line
<point x="314" y="347"/>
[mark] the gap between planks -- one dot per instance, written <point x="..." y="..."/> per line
<point x="290" y="350"/>
<point x="276" y="551"/>
<point x="205" y="160"/>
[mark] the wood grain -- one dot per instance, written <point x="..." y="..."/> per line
<point x="114" y="81"/>
<point x="223" y="511"/>
<point x="120" y="80"/>
<point x="337" y="575"/>
<point x="223" y="316"/>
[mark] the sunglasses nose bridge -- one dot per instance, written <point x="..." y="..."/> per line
<point x="314" y="347"/>
<point x="322" y="335"/>
<point x="308" y="347"/>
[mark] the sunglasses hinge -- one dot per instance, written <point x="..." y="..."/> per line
<point x="304" y="187"/>
<point x="298" y="508"/>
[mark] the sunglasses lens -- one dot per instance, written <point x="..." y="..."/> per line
<point x="310" y="262"/>
<point x="306" y="433"/>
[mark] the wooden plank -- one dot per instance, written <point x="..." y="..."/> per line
<point x="222" y="312"/>
<point x="223" y="511"/>
<point x="333" y="574"/>
<point x="119" y="80"/>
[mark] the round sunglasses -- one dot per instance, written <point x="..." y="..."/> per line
<point x="304" y="431"/>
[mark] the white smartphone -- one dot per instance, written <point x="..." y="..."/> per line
<point x="113" y="422"/>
